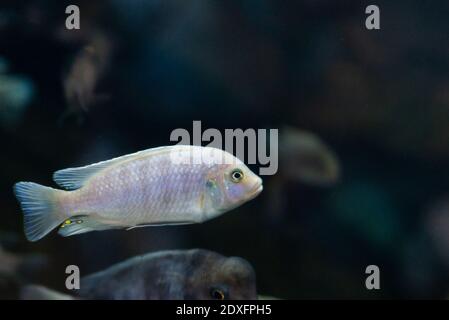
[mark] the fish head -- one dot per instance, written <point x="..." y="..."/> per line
<point x="220" y="278"/>
<point x="229" y="186"/>
<point x="235" y="280"/>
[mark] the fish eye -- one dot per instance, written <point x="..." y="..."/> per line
<point x="236" y="175"/>
<point x="218" y="294"/>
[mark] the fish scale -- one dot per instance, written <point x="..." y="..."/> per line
<point x="166" y="190"/>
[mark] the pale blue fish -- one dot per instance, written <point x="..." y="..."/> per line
<point x="160" y="186"/>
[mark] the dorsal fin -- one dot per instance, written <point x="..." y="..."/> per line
<point x="74" y="178"/>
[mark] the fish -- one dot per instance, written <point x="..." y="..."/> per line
<point x="16" y="94"/>
<point x="173" y="274"/>
<point x="18" y="269"/>
<point x="306" y="158"/>
<point x="169" y="275"/>
<point x="170" y="185"/>
<point x="21" y="265"/>
<point x="86" y="71"/>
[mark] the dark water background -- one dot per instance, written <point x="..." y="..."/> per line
<point x="379" y="99"/>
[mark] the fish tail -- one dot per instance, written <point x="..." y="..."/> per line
<point x="39" y="206"/>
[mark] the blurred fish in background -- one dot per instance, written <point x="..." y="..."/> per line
<point x="16" y="93"/>
<point x="18" y="269"/>
<point x="178" y="274"/>
<point x="189" y="274"/>
<point x="87" y="69"/>
<point x="303" y="159"/>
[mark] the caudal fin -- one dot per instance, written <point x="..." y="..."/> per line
<point x="39" y="208"/>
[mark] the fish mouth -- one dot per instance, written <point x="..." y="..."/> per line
<point x="255" y="192"/>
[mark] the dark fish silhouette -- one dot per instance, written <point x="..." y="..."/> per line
<point x="16" y="93"/>
<point x="303" y="158"/>
<point x="86" y="71"/>
<point x="191" y="274"/>
<point x="171" y="275"/>
<point x="21" y="265"/>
